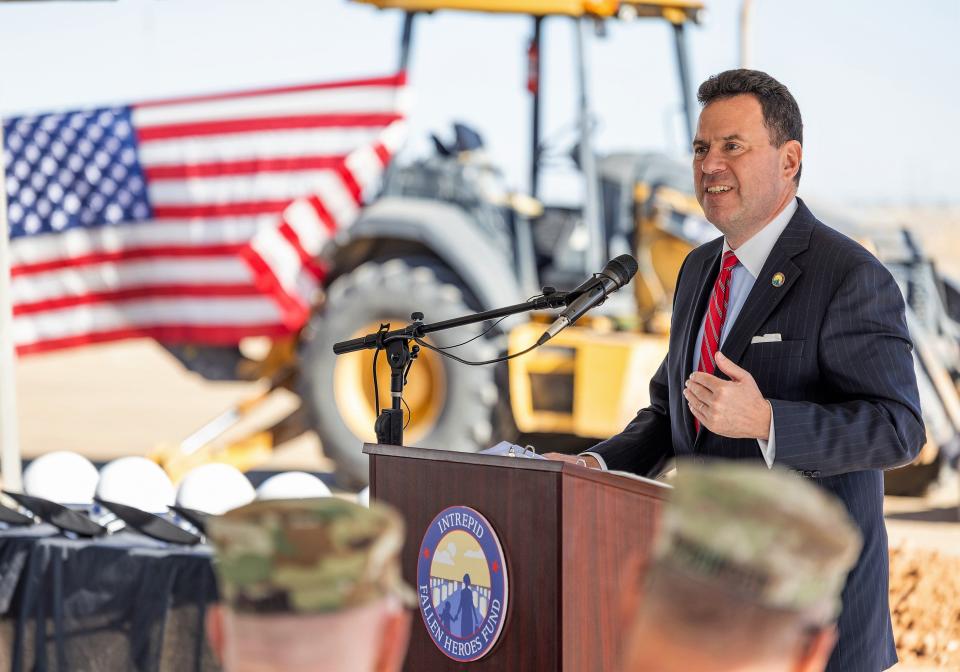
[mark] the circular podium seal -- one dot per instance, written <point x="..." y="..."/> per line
<point x="462" y="584"/>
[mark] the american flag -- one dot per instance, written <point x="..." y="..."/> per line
<point x="188" y="220"/>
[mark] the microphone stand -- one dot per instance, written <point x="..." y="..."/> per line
<point x="400" y="355"/>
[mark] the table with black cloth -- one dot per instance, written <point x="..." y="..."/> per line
<point x="120" y="602"/>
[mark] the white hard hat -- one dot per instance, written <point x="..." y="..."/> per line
<point x="363" y="497"/>
<point x="136" y="482"/>
<point x="292" y="485"/>
<point x="63" y="476"/>
<point x="214" y="488"/>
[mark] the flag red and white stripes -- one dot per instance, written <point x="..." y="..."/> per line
<point x="194" y="219"/>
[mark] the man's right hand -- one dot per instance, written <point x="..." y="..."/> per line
<point x="588" y="461"/>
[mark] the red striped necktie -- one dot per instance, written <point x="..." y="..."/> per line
<point x="716" y="313"/>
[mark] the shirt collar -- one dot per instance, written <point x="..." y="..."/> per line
<point x="753" y="253"/>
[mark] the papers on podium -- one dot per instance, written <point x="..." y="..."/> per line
<point x="507" y="449"/>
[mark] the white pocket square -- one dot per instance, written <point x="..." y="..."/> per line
<point x="766" y="338"/>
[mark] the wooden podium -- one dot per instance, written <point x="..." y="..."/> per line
<point x="565" y="532"/>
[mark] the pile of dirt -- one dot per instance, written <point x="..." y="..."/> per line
<point x="925" y="603"/>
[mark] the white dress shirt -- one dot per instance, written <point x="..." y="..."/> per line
<point x="752" y="255"/>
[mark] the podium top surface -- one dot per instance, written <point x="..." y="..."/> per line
<point x="630" y="482"/>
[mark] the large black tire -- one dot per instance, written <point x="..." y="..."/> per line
<point x="465" y="414"/>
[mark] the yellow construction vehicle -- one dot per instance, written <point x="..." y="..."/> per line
<point x="441" y="241"/>
<point x="446" y="238"/>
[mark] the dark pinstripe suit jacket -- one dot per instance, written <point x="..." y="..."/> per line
<point x="842" y="387"/>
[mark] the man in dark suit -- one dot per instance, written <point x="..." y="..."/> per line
<point x="788" y="344"/>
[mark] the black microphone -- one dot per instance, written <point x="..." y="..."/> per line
<point x="593" y="292"/>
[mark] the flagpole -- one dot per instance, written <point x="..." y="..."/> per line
<point x="9" y="437"/>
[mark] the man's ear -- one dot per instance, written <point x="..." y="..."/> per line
<point x="394" y="637"/>
<point x="214" y="624"/>
<point x="791" y="155"/>
<point x="817" y="652"/>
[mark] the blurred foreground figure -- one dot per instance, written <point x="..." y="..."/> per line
<point x="309" y="584"/>
<point x="746" y="575"/>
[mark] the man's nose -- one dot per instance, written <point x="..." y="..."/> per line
<point x="712" y="163"/>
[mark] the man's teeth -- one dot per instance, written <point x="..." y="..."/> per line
<point x="717" y="190"/>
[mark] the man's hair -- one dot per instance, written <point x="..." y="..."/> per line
<point x="781" y="114"/>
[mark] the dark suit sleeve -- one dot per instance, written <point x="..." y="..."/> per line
<point x="644" y="446"/>
<point x="866" y="364"/>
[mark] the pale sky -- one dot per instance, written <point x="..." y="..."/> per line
<point x="876" y="82"/>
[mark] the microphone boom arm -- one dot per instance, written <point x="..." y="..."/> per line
<point x="594" y="291"/>
<point x="417" y="329"/>
<point x="396" y="343"/>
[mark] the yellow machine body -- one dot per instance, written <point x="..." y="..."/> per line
<point x="675" y="11"/>
<point x="584" y="381"/>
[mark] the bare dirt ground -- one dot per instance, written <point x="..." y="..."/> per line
<point x="127" y="398"/>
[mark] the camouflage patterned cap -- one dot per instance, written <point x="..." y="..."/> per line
<point x="765" y="535"/>
<point x="307" y="555"/>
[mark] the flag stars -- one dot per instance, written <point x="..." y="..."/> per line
<point x="73" y="170"/>
<point x="71" y="204"/>
<point x="32" y="223"/>
<point x="55" y="192"/>
<point x="114" y="213"/>
<point x="59" y="220"/>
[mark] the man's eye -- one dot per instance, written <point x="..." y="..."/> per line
<point x="732" y="146"/>
<point x="699" y="151"/>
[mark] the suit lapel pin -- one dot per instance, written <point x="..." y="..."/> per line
<point x="778" y="279"/>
